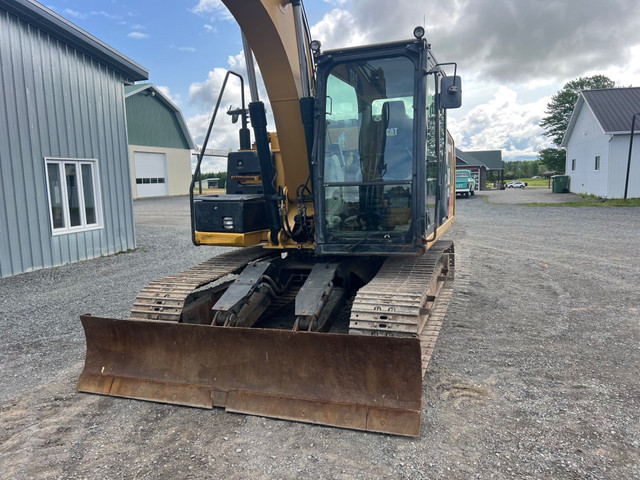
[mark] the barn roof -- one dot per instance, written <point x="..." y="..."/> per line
<point x="612" y="107"/>
<point x="131" y="90"/>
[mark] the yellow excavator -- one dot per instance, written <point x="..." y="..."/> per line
<point x="330" y="309"/>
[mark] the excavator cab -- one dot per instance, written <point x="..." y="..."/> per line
<point x="380" y="150"/>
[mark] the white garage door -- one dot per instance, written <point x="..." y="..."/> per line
<point x="151" y="174"/>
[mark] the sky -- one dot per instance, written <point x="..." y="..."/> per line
<point x="512" y="55"/>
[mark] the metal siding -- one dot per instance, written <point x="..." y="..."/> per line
<point x="586" y="141"/>
<point x="6" y="260"/>
<point x="111" y="187"/>
<point x="125" y="195"/>
<point x="57" y="102"/>
<point x="617" y="166"/>
<point x="152" y="123"/>
<point x="11" y="150"/>
<point x="30" y="148"/>
<point x="50" y="124"/>
<point x="39" y="139"/>
<point x="98" y="238"/>
<point x="614" y="107"/>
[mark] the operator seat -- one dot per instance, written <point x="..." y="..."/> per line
<point x="399" y="141"/>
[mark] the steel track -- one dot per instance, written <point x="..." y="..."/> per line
<point x="164" y="299"/>
<point x="408" y="297"/>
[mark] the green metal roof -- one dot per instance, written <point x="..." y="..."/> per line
<point x="468" y="160"/>
<point x="491" y="158"/>
<point x="154" y="120"/>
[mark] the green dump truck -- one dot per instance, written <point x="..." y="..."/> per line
<point x="465" y="184"/>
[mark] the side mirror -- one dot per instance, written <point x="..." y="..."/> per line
<point x="451" y="92"/>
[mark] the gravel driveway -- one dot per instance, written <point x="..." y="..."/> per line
<point x="535" y="374"/>
<point x="527" y="195"/>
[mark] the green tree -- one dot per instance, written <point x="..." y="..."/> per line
<point x="553" y="159"/>
<point x="521" y="169"/>
<point x="560" y="107"/>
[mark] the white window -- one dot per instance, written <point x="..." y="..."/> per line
<point x="74" y="194"/>
<point x="573" y="165"/>
<point x="598" y="162"/>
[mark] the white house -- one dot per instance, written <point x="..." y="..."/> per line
<point x="597" y="142"/>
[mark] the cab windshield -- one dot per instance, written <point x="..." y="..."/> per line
<point x="368" y="164"/>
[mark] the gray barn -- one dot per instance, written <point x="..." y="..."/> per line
<point x="65" y="188"/>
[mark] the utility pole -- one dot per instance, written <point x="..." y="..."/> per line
<point x="626" y="184"/>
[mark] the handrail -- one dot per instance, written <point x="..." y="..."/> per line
<point x="196" y="173"/>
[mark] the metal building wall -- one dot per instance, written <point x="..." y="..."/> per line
<point x="57" y="102"/>
<point x="143" y="111"/>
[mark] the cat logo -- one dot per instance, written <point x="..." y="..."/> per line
<point x="392" y="132"/>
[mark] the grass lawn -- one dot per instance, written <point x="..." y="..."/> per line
<point x="592" y="201"/>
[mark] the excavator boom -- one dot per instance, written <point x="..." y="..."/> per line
<point x="270" y="29"/>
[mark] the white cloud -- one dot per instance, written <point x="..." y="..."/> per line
<point x="212" y="9"/>
<point x="175" y="98"/>
<point x="511" y="55"/>
<point x="82" y="15"/>
<point x="626" y="75"/>
<point x="137" y="35"/>
<point x="510" y="42"/>
<point x="210" y="164"/>
<point x="502" y="123"/>
<point x="74" y="13"/>
<point x="224" y="136"/>
<point x="205" y="94"/>
<point x="102" y="13"/>
<point x="338" y="28"/>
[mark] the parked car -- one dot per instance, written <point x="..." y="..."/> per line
<point x="516" y="184"/>
<point x="465" y="183"/>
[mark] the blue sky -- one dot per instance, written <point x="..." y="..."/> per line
<point x="512" y="55"/>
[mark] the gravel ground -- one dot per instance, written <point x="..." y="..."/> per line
<point x="527" y="195"/>
<point x="535" y="374"/>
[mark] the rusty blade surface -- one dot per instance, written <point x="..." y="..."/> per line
<point x="362" y="382"/>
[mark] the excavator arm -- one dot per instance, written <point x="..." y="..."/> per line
<point x="271" y="29"/>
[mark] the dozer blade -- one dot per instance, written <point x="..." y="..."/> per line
<point x="369" y="383"/>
